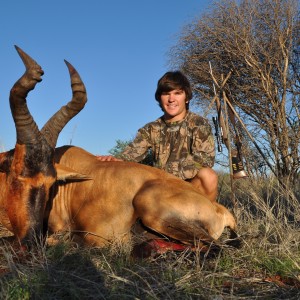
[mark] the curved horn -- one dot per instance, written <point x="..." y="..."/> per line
<point x="27" y="130"/>
<point x="57" y="122"/>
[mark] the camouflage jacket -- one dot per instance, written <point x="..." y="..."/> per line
<point x="180" y="148"/>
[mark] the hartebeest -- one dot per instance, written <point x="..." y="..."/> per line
<point x="28" y="171"/>
<point x="97" y="201"/>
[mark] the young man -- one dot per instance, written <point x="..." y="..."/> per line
<point x="180" y="141"/>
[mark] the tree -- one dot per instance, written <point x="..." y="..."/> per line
<point x="118" y="148"/>
<point x="257" y="41"/>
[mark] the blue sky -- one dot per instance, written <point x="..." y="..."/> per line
<point x="119" y="48"/>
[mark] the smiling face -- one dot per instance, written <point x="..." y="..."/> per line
<point x="173" y="94"/>
<point x="173" y="103"/>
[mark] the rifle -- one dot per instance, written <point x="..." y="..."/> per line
<point x="218" y="133"/>
<point x="222" y="134"/>
<point x="234" y="155"/>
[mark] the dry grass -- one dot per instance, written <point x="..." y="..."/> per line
<point x="266" y="267"/>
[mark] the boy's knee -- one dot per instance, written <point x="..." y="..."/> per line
<point x="208" y="176"/>
<point x="206" y="181"/>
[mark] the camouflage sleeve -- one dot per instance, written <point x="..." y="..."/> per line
<point x="203" y="148"/>
<point x="202" y="152"/>
<point x="137" y="150"/>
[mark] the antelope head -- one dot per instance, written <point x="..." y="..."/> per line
<point x="29" y="168"/>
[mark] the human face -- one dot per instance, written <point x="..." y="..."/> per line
<point x="173" y="104"/>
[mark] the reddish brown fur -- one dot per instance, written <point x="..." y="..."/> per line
<point x="18" y="192"/>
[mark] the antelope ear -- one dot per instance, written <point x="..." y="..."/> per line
<point x="5" y="161"/>
<point x="3" y="169"/>
<point x="67" y="174"/>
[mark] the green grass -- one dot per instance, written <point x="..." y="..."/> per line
<point x="266" y="267"/>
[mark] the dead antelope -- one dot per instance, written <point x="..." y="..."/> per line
<point x="71" y="190"/>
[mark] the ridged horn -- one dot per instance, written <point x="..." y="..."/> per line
<point x="26" y="128"/>
<point x="56" y="123"/>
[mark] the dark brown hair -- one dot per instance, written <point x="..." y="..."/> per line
<point x="172" y="81"/>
